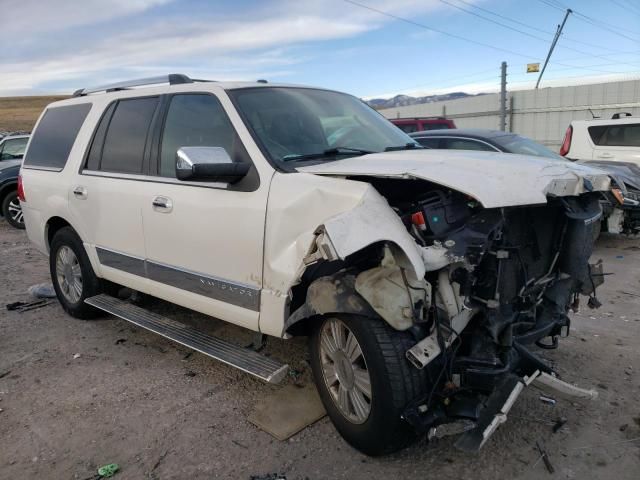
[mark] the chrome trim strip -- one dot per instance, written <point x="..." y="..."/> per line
<point x="46" y="169"/>
<point x="235" y="293"/>
<point x="212" y="287"/>
<point x="441" y="137"/>
<point x="121" y="261"/>
<point x="151" y="178"/>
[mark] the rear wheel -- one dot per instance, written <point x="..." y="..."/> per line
<point x="365" y="381"/>
<point x="72" y="275"/>
<point x="12" y="210"/>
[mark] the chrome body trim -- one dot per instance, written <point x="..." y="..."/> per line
<point x="154" y="179"/>
<point x="227" y="291"/>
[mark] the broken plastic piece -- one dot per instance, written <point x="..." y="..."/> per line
<point x="548" y="400"/>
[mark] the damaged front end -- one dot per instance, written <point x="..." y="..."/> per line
<point x="512" y="276"/>
<point x="495" y="282"/>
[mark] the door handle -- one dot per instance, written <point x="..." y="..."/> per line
<point x="80" y="192"/>
<point x="605" y="155"/>
<point x="162" y="204"/>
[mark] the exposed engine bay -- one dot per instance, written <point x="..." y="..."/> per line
<point x="497" y="282"/>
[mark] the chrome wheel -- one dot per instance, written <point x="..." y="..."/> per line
<point x="15" y="211"/>
<point x="69" y="274"/>
<point x="345" y="372"/>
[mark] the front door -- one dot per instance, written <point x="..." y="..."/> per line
<point x="204" y="241"/>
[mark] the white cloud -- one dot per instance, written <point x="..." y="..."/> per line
<point x="218" y="45"/>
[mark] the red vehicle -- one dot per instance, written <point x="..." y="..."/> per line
<point x="410" y="125"/>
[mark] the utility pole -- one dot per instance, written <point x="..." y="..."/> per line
<point x="553" y="44"/>
<point x="503" y="96"/>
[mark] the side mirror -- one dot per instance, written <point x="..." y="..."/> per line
<point x="211" y="164"/>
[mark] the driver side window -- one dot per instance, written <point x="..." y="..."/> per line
<point x="197" y="120"/>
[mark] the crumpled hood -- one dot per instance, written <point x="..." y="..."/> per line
<point x="494" y="179"/>
<point x="627" y="173"/>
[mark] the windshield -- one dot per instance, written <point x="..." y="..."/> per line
<point x="303" y="124"/>
<point x="525" y="146"/>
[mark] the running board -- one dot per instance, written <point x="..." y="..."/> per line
<point x="244" y="359"/>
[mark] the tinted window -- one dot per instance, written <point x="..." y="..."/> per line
<point x="410" y="128"/>
<point x="596" y="133"/>
<point x="124" y="144"/>
<point x="435" y="126"/>
<point x="525" y="146"/>
<point x="197" y="121"/>
<point x="619" y="136"/>
<point x="466" y="144"/>
<point x="12" y="149"/>
<point x="429" y="142"/>
<point x="55" y="135"/>
<point x="95" y="153"/>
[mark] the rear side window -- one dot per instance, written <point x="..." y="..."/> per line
<point x="466" y="144"/>
<point x="408" y="128"/>
<point x="616" y="135"/>
<point x="55" y="135"/>
<point x="428" y="142"/>
<point x="126" y="138"/>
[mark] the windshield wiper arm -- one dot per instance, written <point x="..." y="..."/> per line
<point x="330" y="152"/>
<point x="406" y="146"/>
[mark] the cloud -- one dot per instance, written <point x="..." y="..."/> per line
<point x="72" y="42"/>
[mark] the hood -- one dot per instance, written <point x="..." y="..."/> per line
<point x="627" y="173"/>
<point x="494" y="179"/>
<point x="6" y="164"/>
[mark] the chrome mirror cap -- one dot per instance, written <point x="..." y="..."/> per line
<point x="189" y="158"/>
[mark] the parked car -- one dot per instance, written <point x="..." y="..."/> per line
<point x="10" y="207"/>
<point x="614" y="140"/>
<point x="409" y="125"/>
<point x="421" y="277"/>
<point x="621" y="205"/>
<point x="12" y="147"/>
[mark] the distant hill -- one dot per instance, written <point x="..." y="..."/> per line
<point x="21" y="113"/>
<point x="404" y="100"/>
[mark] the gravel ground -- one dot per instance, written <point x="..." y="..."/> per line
<point x="75" y="395"/>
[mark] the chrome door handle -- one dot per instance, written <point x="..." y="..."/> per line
<point x="80" y="192"/>
<point x="605" y="155"/>
<point x="162" y="204"/>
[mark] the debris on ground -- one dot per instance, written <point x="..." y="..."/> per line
<point x="108" y="470"/>
<point x="120" y="340"/>
<point x="26" y="306"/>
<point x="544" y="456"/>
<point x="268" y="476"/>
<point x="547" y="400"/>
<point x="76" y="355"/>
<point x="42" y="290"/>
<point x="559" y="424"/>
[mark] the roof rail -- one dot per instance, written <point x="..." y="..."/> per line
<point x="171" y="79"/>
<point x="618" y="116"/>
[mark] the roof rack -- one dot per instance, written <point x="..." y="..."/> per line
<point x="171" y="79"/>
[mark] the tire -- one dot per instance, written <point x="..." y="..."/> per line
<point x="12" y="210"/>
<point x="394" y="382"/>
<point x="67" y="260"/>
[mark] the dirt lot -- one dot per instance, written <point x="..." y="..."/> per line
<point x="21" y="113"/>
<point x="136" y="399"/>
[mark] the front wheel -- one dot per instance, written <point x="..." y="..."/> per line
<point x="72" y="275"/>
<point x="12" y="210"/>
<point x="365" y="381"/>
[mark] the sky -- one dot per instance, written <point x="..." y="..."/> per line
<point x="370" y="48"/>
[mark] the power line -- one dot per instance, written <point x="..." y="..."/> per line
<point x="548" y="32"/>
<point x="615" y="29"/>
<point x="626" y="6"/>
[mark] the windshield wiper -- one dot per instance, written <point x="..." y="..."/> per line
<point x="330" y="152"/>
<point x="406" y="146"/>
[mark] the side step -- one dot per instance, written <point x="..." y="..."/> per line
<point x="242" y="358"/>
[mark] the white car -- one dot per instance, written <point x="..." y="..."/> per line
<point x="615" y="140"/>
<point x="420" y="276"/>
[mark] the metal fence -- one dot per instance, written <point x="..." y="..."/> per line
<point x="542" y="114"/>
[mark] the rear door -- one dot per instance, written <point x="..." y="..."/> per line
<point x="106" y="199"/>
<point x="616" y="142"/>
<point x="204" y="241"/>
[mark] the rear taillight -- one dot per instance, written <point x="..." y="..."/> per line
<point x="21" y="189"/>
<point x="566" y="143"/>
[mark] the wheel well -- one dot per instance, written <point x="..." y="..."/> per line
<point x="53" y="225"/>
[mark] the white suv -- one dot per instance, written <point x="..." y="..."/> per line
<point x="615" y="140"/>
<point x="420" y="276"/>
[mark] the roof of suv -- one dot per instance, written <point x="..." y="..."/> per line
<point x="607" y="121"/>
